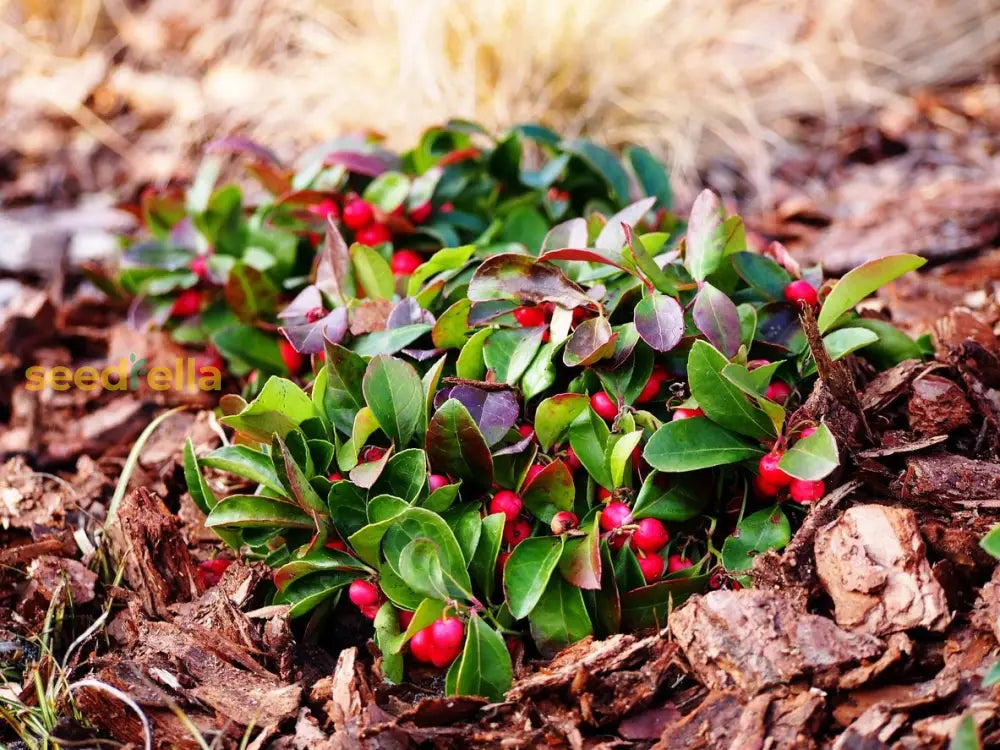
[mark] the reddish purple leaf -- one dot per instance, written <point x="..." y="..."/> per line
<point x="591" y="256"/>
<point x="659" y="320"/>
<point x="592" y="341"/>
<point x="523" y="278"/>
<point x="333" y="266"/>
<point x="715" y="316"/>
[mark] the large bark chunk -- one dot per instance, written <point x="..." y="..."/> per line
<point x="755" y="639"/>
<point x="937" y="406"/>
<point x="873" y="564"/>
<point x="948" y="482"/>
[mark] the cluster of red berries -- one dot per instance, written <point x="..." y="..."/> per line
<point x="771" y="479"/>
<point x="439" y="643"/>
<point x="647" y="537"/>
<point x="359" y="216"/>
<point x="515" y="528"/>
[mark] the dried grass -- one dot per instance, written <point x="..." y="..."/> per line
<point x="691" y="79"/>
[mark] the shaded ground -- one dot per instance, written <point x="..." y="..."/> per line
<point x="873" y="628"/>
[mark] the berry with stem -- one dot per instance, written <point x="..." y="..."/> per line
<point x="801" y="291"/>
<point x="603" y="405"/>
<point x="650" y="535"/>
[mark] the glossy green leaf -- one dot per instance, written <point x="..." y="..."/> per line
<point x="528" y="571"/>
<point x="470" y="363"/>
<point x="307" y="592"/>
<point x="812" y="457"/>
<point x="389" y="341"/>
<point x="551" y="490"/>
<point x="258" y="512"/>
<point x="696" y="443"/>
<point x="762" y="274"/>
<point x="483" y="566"/>
<point x="580" y="563"/>
<point x="675" y="499"/>
<point x="862" y="281"/>
<point x="651" y="174"/>
<point x="588" y="436"/>
<point x="394" y="393"/>
<point x="966" y="736"/>
<point x="554" y="416"/>
<point x="428" y="611"/>
<point x="649" y="606"/>
<point x="278" y="409"/>
<point x="386" y="632"/>
<point x="991" y="541"/>
<point x="484" y="668"/>
<point x="343" y="396"/>
<point x="620" y="462"/>
<point x="388" y="191"/>
<point x="372" y="272"/>
<point x="198" y="488"/>
<point x="404" y="475"/>
<point x="722" y="401"/>
<point x="560" y="617"/>
<point x="757" y="533"/>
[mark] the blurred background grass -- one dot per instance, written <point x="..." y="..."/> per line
<point x="697" y="82"/>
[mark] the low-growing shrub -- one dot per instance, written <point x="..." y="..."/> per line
<point x="539" y="446"/>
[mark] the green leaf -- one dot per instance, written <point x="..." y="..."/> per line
<point x="722" y="401"/>
<point x="347" y="503"/>
<point x="246" y="343"/>
<point x="365" y="424"/>
<point x="621" y="457"/>
<point x="419" y="523"/>
<point x="396" y="589"/>
<point x="383" y="511"/>
<point x="388" y="191"/>
<point x="696" y="443"/>
<point x="404" y="475"/>
<point x="528" y="571"/>
<point x="279" y="408"/>
<point x="764" y="530"/>
<point x="843" y="341"/>
<point x="298" y="482"/>
<point x="763" y="274"/>
<point x="198" y="488"/>
<point x="509" y="351"/>
<point x="554" y="416"/>
<point x="451" y="330"/>
<point x="395" y="395"/>
<point x="683" y="498"/>
<point x="552" y="489"/>
<point x="651" y="174"/>
<point x="588" y="436"/>
<point x="862" y="281"/>
<point x="467" y="525"/>
<point x="307" y="592"/>
<point x="812" y="457"/>
<point x="705" y="240"/>
<point x="484" y="667"/>
<point x="470" y="363"/>
<point x="991" y="542"/>
<point x="343" y="396"/>
<point x="580" y="563"/>
<point x="560" y="617"/>
<point x="992" y="677"/>
<point x="893" y="346"/>
<point x="659" y="321"/>
<point x="449" y="259"/>
<point x="484" y="560"/>
<point x="389" y="341"/>
<point x="527" y="226"/>
<point x="604" y="164"/>
<point x="541" y="373"/>
<point x="745" y="380"/>
<point x="966" y="736"/>
<point x="250" y="294"/>
<point x="614" y="235"/>
<point x="322" y="559"/>
<point x="386" y="631"/>
<point x="649" y="606"/>
<point x="419" y="565"/>
<point x="258" y="512"/>
<point x="372" y="272"/>
<point x="456" y="447"/>
<point x="522" y="278"/>
<point x="245" y="462"/>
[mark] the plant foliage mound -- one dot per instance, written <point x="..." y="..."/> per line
<point x="543" y="435"/>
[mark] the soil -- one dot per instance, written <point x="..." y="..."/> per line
<point x="874" y="627"/>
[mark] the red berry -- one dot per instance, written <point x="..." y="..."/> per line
<point x="516" y="531"/>
<point x="764" y="490"/>
<point x="212" y="570"/>
<point x="506" y="502"/>
<point x="199" y="267"/>
<point x="502" y="558"/>
<point x="358" y="213"/>
<point x="526" y="431"/>
<point x="421" y="213"/>
<point x="372" y="453"/>
<point x="530" y="317"/>
<point x="770" y="473"/>
<point x="337" y="544"/>
<point x="716" y="580"/>
<point x="652" y="387"/>
<point x="373" y="234"/>
<point x="363" y="593"/>
<point x="778" y="391"/>
<point x="650" y="536"/>
<point x="803" y="491"/>
<point x="292" y="359"/>
<point x="370" y="611"/>
<point x="188" y="303"/>
<point x="405" y="262"/>
<point x="601" y="403"/>
<point x="675" y="562"/>
<point x="603" y="494"/>
<point x="572" y="460"/>
<point x="437" y="481"/>
<point x="208" y="360"/>
<point x="801" y="291"/>
<point x="421" y="645"/>
<point x="447" y="633"/>
<point x="533" y="471"/>
<point x="564" y="521"/>
<point x="682" y="412"/>
<point x="315" y="314"/>
<point x="405" y="617"/>
<point x="615" y="514"/>
<point x="335" y="477"/>
<point x="447" y="208"/>
<point x="807" y="431"/>
<point x="441" y="658"/>
<point x="326" y="207"/>
<point x="651" y="567"/>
